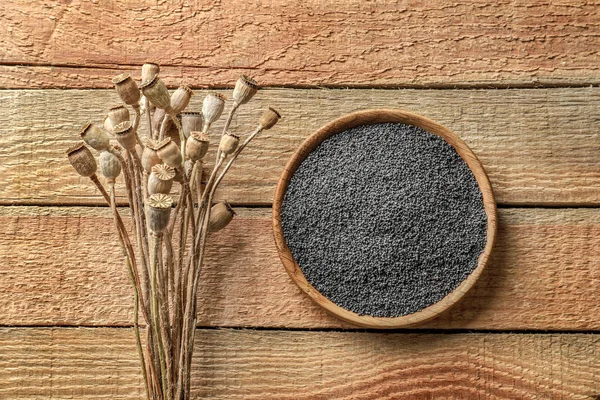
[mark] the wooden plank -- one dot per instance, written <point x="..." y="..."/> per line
<point x="235" y="364"/>
<point x="341" y="42"/>
<point x="539" y="146"/>
<point x="62" y="266"/>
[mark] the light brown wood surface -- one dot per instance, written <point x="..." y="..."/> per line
<point x="340" y="42"/>
<point x="62" y="267"/>
<point x="370" y="117"/>
<point x="539" y="146"/>
<point x="244" y="364"/>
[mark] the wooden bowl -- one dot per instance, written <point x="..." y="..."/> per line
<point x="367" y="118"/>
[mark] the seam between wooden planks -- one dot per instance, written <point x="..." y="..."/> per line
<point x="510" y="83"/>
<point x="391" y="87"/>
<point x="408" y="331"/>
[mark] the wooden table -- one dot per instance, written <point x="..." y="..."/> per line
<point x="516" y="80"/>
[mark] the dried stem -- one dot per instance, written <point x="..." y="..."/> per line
<point x="193" y="180"/>
<point x="136" y="123"/>
<point x="156" y="320"/>
<point x="131" y="255"/>
<point x="140" y="197"/>
<point x="125" y="236"/>
<point x="203" y="231"/>
<point x="192" y="276"/>
<point x="235" y="155"/>
<point x="163" y="128"/>
<point x="178" y="207"/>
<point x="165" y="286"/>
<point x="135" y="286"/>
<point x="139" y="217"/>
<point x="149" y="122"/>
<point x="169" y="299"/>
<point x="181" y="135"/>
<point x="154" y="364"/>
<point x="137" y="226"/>
<point x="226" y="126"/>
<point x="163" y="311"/>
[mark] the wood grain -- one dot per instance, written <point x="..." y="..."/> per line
<point x="539" y="146"/>
<point x="339" y="43"/>
<point x="370" y="117"/>
<point x="62" y="267"/>
<point x="242" y="364"/>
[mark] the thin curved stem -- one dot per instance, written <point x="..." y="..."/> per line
<point x="175" y="214"/>
<point x="157" y="238"/>
<point x="194" y="180"/>
<point x="141" y="193"/>
<point x="139" y="218"/>
<point x="163" y="310"/>
<point x="130" y="185"/>
<point x="154" y="362"/>
<point x="136" y="300"/>
<point x="190" y="276"/>
<point x="203" y="231"/>
<point x="163" y="128"/>
<point x="149" y="121"/>
<point x="181" y="135"/>
<point x="226" y="126"/>
<point x="136" y="123"/>
<point x="202" y="202"/>
<point x="127" y="242"/>
<point x="235" y="155"/>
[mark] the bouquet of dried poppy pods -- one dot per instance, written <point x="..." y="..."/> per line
<point x="165" y="258"/>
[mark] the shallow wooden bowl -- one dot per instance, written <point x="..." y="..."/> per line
<point x="367" y="118"/>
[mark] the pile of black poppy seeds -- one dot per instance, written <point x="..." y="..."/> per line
<point x="385" y="219"/>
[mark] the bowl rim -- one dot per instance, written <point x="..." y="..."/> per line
<point x="369" y="117"/>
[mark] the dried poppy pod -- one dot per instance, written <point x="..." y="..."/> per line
<point x="212" y="108"/>
<point x="181" y="98"/>
<point x="229" y="142"/>
<point x="156" y="92"/>
<point x="149" y="71"/>
<point x="158" y="212"/>
<point x="82" y="159"/>
<point x="95" y="137"/>
<point x="110" y="166"/>
<point x="118" y="114"/>
<point x="268" y="118"/>
<point x="190" y="122"/>
<point x="197" y="146"/>
<point x="169" y="152"/>
<point x="161" y="179"/>
<point x="150" y="156"/>
<point x="221" y="215"/>
<point x="244" y="89"/>
<point x="127" y="89"/>
<point x="125" y="135"/>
